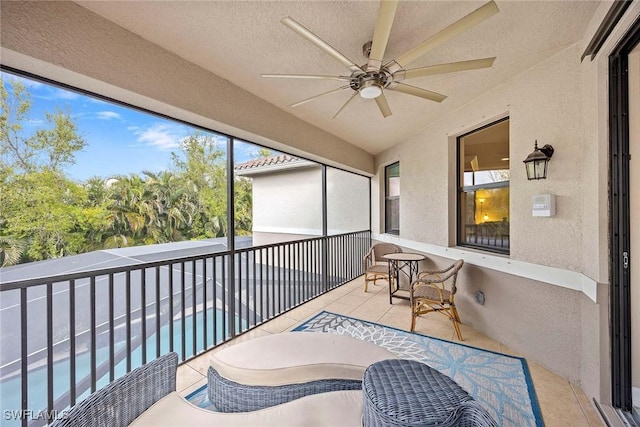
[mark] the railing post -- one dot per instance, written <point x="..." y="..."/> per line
<point x="325" y="239"/>
<point x="231" y="239"/>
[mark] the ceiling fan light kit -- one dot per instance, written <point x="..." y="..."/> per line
<point x="371" y="80"/>
<point x="370" y="89"/>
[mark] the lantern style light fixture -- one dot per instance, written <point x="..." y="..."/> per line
<point x="536" y="162"/>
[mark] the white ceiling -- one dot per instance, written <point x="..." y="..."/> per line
<point x="239" y="40"/>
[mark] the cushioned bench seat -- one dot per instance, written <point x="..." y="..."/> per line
<point x="338" y="408"/>
<point x="278" y="368"/>
<point x="147" y="396"/>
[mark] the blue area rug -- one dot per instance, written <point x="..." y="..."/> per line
<point x="501" y="383"/>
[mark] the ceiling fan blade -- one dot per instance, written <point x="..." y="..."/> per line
<point x="463" y="24"/>
<point x="306" y="76"/>
<point x="345" y="104"/>
<point x="304" y="32"/>
<point x="383" y="105"/>
<point x="416" y="91"/>
<point x="304" y="101"/>
<point x="451" y="67"/>
<point x="381" y="33"/>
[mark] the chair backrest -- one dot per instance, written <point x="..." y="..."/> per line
<point x="453" y="274"/>
<point x="120" y="402"/>
<point x="381" y="249"/>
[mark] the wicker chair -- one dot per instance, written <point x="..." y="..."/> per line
<point x="374" y="266"/>
<point x="435" y="291"/>
<point x="125" y="399"/>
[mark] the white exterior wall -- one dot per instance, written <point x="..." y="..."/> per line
<point x="347" y="202"/>
<point x="288" y="202"/>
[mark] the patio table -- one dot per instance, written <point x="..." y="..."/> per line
<point x="402" y="263"/>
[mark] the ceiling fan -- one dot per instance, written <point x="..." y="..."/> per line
<point x="371" y="80"/>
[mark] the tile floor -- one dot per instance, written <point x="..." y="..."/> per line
<point x="562" y="403"/>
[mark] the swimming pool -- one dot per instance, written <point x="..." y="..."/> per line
<point x="10" y="390"/>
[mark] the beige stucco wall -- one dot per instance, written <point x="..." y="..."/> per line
<point x="563" y="102"/>
<point x="67" y="43"/>
<point x="552" y="325"/>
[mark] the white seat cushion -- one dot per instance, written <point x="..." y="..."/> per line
<point x="297" y="357"/>
<point x="337" y="408"/>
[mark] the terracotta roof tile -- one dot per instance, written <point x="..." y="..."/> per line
<point x="266" y="161"/>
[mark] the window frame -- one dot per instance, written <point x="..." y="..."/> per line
<point x="388" y="198"/>
<point x="462" y="189"/>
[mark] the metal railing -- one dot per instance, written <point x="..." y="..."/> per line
<point x="492" y="236"/>
<point x="64" y="336"/>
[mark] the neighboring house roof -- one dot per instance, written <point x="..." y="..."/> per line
<point x="271" y="164"/>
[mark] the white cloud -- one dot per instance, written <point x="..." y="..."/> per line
<point x="65" y="94"/>
<point x="34" y="122"/>
<point x="161" y="136"/>
<point x="108" y="115"/>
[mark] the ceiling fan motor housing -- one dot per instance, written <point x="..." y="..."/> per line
<point x="369" y="85"/>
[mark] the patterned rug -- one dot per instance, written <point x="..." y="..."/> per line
<point x="501" y="383"/>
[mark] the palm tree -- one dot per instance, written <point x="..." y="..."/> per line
<point x="11" y="250"/>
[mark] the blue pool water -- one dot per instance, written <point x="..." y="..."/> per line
<point x="37" y="379"/>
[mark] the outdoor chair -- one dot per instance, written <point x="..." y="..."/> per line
<point x="375" y="266"/>
<point x="435" y="291"/>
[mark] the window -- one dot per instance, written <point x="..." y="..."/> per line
<point x="392" y="199"/>
<point x="483" y="188"/>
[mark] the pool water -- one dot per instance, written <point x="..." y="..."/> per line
<point x="10" y="390"/>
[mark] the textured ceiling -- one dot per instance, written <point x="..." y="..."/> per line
<point x="239" y="40"/>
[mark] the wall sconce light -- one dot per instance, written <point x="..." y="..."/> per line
<point x="536" y="162"/>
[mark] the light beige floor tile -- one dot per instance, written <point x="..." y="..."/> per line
<point x="187" y="377"/>
<point x="302" y="313"/>
<point x="201" y="364"/>
<point x="396" y="320"/>
<point x="352" y="300"/>
<point x="279" y="324"/>
<point x="254" y="333"/>
<point x="339" y="308"/>
<point x="589" y="410"/>
<point x="370" y="312"/>
<point x="558" y="403"/>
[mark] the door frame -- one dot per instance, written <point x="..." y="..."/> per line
<point x="619" y="240"/>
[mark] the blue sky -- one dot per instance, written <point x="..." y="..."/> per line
<point x="119" y="140"/>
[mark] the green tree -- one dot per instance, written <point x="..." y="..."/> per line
<point x="48" y="148"/>
<point x="45" y="210"/>
<point x="40" y="207"/>
<point x="201" y="164"/>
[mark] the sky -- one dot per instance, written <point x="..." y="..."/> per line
<point x="120" y="140"/>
